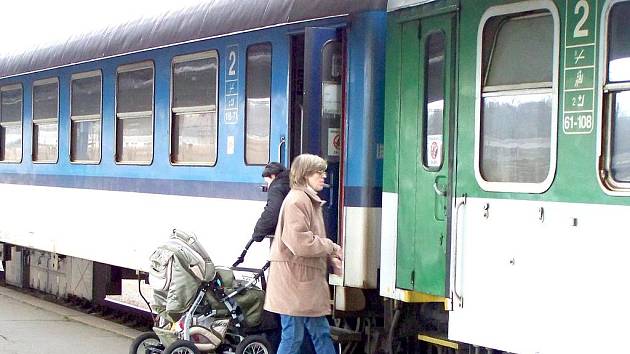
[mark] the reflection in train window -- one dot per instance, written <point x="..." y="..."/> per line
<point x="194" y="109"/>
<point x="617" y="89"/>
<point x="11" y="123"/>
<point x="331" y="101"/>
<point x="258" y="114"/>
<point x="134" y="113"/>
<point x="517" y="98"/>
<point x="45" y="120"/>
<point x="433" y="117"/>
<point x="85" y="116"/>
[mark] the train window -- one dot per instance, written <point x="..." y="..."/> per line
<point x="194" y="109"/>
<point x="85" y="117"/>
<point x="134" y="113"/>
<point x="510" y="61"/>
<point x="258" y="114"/>
<point x="434" y="101"/>
<point x="617" y="96"/>
<point x="515" y="150"/>
<point x="619" y="43"/>
<point x="45" y="120"/>
<point x="11" y="123"/>
<point x="331" y="100"/>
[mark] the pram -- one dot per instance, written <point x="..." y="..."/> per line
<point x="202" y="308"/>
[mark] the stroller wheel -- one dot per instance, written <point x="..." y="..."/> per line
<point x="182" y="347"/>
<point x="146" y="343"/>
<point x="255" y="344"/>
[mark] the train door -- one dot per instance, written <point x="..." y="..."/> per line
<point x="317" y="111"/>
<point x="427" y="83"/>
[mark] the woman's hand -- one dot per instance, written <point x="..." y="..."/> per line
<point x="337" y="252"/>
<point x="336" y="266"/>
<point x="335" y="260"/>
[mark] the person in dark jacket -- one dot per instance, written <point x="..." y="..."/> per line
<point x="277" y="178"/>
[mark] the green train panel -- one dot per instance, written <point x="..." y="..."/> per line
<point x="507" y="169"/>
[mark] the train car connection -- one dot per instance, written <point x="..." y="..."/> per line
<point x="111" y="140"/>
<point x="505" y="191"/>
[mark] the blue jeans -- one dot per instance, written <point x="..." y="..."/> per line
<point x="293" y="334"/>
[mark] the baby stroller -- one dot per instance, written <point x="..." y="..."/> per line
<point x="202" y="308"/>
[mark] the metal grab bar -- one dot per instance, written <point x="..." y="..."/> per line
<point x="283" y="141"/>
<point x="456" y="293"/>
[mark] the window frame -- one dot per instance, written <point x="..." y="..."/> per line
<point x="508" y="9"/>
<point x="11" y="87"/>
<point x="35" y="121"/>
<point x="146" y="64"/>
<point x="604" y="111"/>
<point x="425" y="104"/>
<point x="208" y="54"/>
<point x="84" y="118"/>
<point x="325" y="80"/>
<point x="270" y="103"/>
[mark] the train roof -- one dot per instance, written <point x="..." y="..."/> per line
<point x="205" y="20"/>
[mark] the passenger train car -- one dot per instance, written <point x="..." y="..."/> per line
<point x="505" y="190"/>
<point x="113" y="138"/>
<point x="477" y="150"/>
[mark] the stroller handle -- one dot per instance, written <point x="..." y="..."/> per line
<point x="241" y="258"/>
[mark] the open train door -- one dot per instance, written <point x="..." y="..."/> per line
<point x="425" y="179"/>
<point x="322" y="128"/>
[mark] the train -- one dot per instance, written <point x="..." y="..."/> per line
<point x="478" y="170"/>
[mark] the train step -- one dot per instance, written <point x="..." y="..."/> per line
<point x="343" y="335"/>
<point x="438" y="340"/>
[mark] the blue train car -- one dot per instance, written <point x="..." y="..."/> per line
<point x="110" y="140"/>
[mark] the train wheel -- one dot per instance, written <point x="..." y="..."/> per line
<point x="145" y="342"/>
<point x="182" y="347"/>
<point x="255" y="344"/>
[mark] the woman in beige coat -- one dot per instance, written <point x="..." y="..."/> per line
<point x="300" y="254"/>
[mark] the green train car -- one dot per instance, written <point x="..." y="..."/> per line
<point x="506" y="186"/>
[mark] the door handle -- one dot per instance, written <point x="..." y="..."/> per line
<point x="437" y="190"/>
<point x="283" y="140"/>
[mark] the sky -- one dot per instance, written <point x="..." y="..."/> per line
<point x="25" y="24"/>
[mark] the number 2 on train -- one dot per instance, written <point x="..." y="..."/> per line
<point x="579" y="31"/>
<point x="232" y="59"/>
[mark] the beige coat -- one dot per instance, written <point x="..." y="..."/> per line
<point x="298" y="283"/>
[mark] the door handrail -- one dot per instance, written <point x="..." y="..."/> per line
<point x="457" y="294"/>
<point x="283" y="141"/>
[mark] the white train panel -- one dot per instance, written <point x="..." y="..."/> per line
<point x="540" y="277"/>
<point x="123" y="228"/>
<point x="389" y="237"/>
<point x="361" y="247"/>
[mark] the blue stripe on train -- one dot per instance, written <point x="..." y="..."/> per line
<point x="355" y="196"/>
<point x="207" y="189"/>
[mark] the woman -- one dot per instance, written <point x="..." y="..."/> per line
<point x="300" y="254"/>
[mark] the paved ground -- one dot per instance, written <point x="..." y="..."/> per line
<point x="30" y="325"/>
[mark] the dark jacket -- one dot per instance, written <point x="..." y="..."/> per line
<point x="278" y="189"/>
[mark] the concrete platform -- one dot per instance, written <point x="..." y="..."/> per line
<point x="29" y="325"/>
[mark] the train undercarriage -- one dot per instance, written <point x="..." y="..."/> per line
<point x="380" y="326"/>
<point x="92" y="287"/>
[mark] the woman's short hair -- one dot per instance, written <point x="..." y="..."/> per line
<point x="304" y="166"/>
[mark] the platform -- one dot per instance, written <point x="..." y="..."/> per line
<point x="29" y="325"/>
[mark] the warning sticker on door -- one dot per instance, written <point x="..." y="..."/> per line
<point x="434" y="150"/>
<point x="331" y="98"/>
<point x="334" y="141"/>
